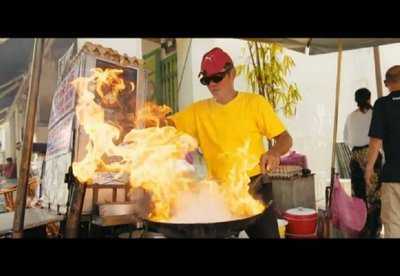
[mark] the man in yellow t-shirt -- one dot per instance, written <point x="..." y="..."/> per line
<point x="224" y="122"/>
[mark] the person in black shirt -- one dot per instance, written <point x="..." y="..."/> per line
<point x="385" y="131"/>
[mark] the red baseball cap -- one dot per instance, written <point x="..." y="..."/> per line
<point x="215" y="61"/>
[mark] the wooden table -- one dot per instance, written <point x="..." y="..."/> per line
<point x="34" y="217"/>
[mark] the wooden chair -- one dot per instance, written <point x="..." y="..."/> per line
<point x="8" y="194"/>
<point x="35" y="218"/>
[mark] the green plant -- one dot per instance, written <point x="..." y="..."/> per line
<point x="267" y="72"/>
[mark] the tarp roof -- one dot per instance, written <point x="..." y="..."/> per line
<point x="15" y="58"/>
<point x="327" y="45"/>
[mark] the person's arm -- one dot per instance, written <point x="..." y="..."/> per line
<point x="184" y="121"/>
<point x="271" y="127"/>
<point x="375" y="145"/>
<point x="376" y="134"/>
<point x="271" y="159"/>
<point x="170" y="122"/>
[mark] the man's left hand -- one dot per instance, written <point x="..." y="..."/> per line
<point x="269" y="161"/>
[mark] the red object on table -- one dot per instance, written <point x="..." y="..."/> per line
<point x="301" y="221"/>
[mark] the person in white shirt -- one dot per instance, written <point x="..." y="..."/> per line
<point x="356" y="137"/>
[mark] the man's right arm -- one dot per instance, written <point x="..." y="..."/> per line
<point x="170" y="122"/>
<point x="184" y="121"/>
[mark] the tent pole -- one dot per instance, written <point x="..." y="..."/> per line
<point x="333" y="160"/>
<point x="378" y="73"/>
<point x="33" y="93"/>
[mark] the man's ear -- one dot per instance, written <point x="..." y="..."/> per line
<point x="233" y="73"/>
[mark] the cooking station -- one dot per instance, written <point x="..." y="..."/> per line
<point x="117" y="140"/>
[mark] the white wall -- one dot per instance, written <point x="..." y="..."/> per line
<point x="48" y="85"/>
<point x="312" y="126"/>
<point x="186" y="90"/>
<point x="390" y="55"/>
<point x="41" y="133"/>
<point x="130" y="46"/>
<point x="148" y="46"/>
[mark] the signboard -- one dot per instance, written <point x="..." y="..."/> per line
<point x="60" y="137"/>
<point x="64" y="98"/>
<point x="65" y="61"/>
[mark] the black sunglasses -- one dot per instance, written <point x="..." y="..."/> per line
<point x="216" y="78"/>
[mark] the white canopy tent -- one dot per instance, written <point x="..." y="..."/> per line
<point x="316" y="46"/>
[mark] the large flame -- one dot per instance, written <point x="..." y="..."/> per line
<point x="152" y="115"/>
<point x="108" y="84"/>
<point x="235" y="187"/>
<point x="154" y="157"/>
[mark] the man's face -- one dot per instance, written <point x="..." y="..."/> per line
<point x="224" y="86"/>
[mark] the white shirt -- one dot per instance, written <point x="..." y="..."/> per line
<point x="356" y="128"/>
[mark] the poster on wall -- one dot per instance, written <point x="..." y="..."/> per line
<point x="54" y="188"/>
<point x="119" y="108"/>
<point x="65" y="61"/>
<point x="59" y="140"/>
<point x="64" y="98"/>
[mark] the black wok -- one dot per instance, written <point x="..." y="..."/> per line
<point x="223" y="229"/>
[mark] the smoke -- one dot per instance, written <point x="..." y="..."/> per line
<point x="204" y="206"/>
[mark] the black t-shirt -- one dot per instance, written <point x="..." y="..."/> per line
<point x="385" y="125"/>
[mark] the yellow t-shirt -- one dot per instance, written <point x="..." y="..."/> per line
<point x="223" y="128"/>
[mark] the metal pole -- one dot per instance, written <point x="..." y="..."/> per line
<point x="74" y="213"/>
<point x="378" y="73"/>
<point x="339" y="68"/>
<point x="33" y="94"/>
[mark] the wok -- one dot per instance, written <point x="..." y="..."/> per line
<point x="222" y="229"/>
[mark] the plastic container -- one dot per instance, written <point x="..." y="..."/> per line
<point x="301" y="221"/>
<point x="282" y="227"/>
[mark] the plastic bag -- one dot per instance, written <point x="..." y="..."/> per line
<point x="349" y="214"/>
<point x="294" y="159"/>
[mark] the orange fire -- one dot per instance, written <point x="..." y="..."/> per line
<point x="152" y="115"/>
<point x="154" y="157"/>
<point x="108" y="84"/>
